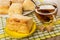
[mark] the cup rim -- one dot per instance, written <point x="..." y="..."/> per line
<point x="46" y="13"/>
<point x="47" y="4"/>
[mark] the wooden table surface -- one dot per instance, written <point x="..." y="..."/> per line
<point x="54" y="38"/>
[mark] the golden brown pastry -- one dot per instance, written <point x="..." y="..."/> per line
<point x="19" y="23"/>
<point x="4" y="6"/>
<point x="17" y="1"/>
<point x="28" y="5"/>
<point x="15" y="8"/>
<point x="41" y="28"/>
<point x="49" y="27"/>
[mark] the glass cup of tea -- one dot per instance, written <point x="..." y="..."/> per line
<point x="46" y="12"/>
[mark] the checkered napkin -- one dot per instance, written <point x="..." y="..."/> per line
<point x="37" y="35"/>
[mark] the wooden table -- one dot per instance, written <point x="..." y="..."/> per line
<point x="54" y="38"/>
